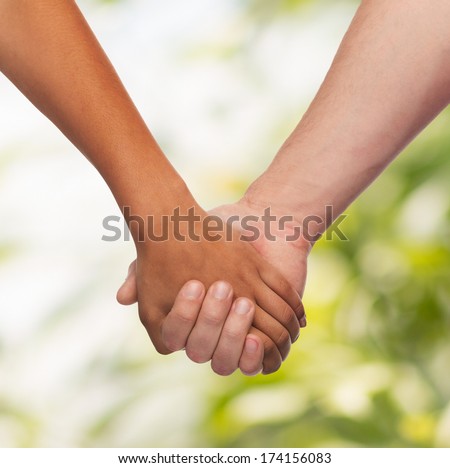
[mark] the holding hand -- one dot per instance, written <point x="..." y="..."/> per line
<point x="162" y="268"/>
<point x="209" y="326"/>
<point x="208" y="333"/>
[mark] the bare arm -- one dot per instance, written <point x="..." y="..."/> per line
<point x="390" y="78"/>
<point x="49" y="52"/>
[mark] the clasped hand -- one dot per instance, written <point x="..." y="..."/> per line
<point x="228" y="301"/>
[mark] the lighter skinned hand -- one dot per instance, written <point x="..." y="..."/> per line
<point x="226" y="341"/>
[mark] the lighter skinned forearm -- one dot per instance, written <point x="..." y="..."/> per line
<point x="390" y="78"/>
<point x="49" y="52"/>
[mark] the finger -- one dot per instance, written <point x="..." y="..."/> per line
<point x="251" y="362"/>
<point x="152" y="320"/>
<point x="281" y="286"/>
<point x="181" y="319"/>
<point x="273" y="330"/>
<point x="272" y="358"/>
<point x="232" y="339"/>
<point x="204" y="337"/>
<point x="281" y="312"/>
<point x="303" y="322"/>
<point x="127" y="293"/>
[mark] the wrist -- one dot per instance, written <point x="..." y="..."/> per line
<point x="150" y="210"/>
<point x="300" y="193"/>
<point x="179" y="224"/>
<point x="276" y="220"/>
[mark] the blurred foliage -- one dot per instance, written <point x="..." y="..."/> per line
<point x="370" y="370"/>
<point x="372" y="367"/>
<point x="262" y="10"/>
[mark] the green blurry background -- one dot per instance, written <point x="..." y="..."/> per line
<point x="221" y="84"/>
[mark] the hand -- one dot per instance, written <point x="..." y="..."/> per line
<point x="225" y="342"/>
<point x="289" y="257"/>
<point x="162" y="268"/>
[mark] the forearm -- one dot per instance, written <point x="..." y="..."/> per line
<point x="49" y="52"/>
<point x="390" y="78"/>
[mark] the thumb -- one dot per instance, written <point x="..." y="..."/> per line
<point x="127" y="293"/>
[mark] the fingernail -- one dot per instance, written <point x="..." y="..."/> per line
<point x="251" y="346"/>
<point x="193" y="290"/>
<point x="303" y="322"/>
<point x="221" y="290"/>
<point x="243" y="306"/>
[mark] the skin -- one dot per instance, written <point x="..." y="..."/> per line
<point x="184" y="326"/>
<point x="389" y="79"/>
<point x="49" y="52"/>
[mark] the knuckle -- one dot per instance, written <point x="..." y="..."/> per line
<point x="287" y="317"/>
<point x="270" y="349"/>
<point x="221" y="369"/>
<point x="286" y="314"/>
<point x="250" y="369"/>
<point x="172" y="345"/>
<point x="271" y="368"/>
<point x="170" y="338"/>
<point x="195" y="356"/>
<point x="272" y="359"/>
<point x="284" y="339"/>
<point x="231" y="333"/>
<point x="284" y="344"/>
<point x="289" y="294"/>
<point x="145" y="319"/>
<point x="211" y="319"/>
<point x="184" y="316"/>
<point x="161" y="349"/>
<point x="149" y="317"/>
<point x="153" y="326"/>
